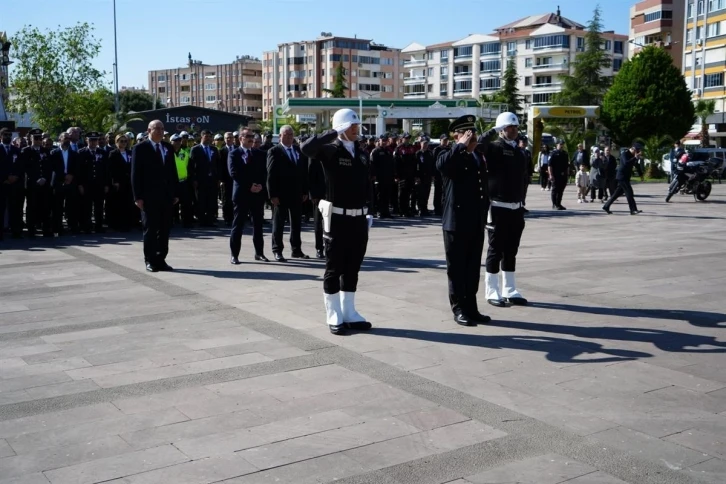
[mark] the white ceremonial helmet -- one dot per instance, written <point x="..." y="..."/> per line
<point x="505" y="120"/>
<point x="345" y="116"/>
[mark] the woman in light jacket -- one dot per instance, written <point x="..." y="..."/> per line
<point x="542" y="164"/>
<point x="597" y="176"/>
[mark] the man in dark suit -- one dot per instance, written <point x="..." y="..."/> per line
<point x="94" y="183"/>
<point x="40" y="172"/>
<point x="628" y="160"/>
<point x="225" y="181"/>
<point x="68" y="163"/>
<point x="248" y="171"/>
<point x="287" y="184"/>
<point x="12" y="182"/>
<point x="154" y="183"/>
<point x="203" y="164"/>
<point x="465" y="208"/>
<point x="318" y="189"/>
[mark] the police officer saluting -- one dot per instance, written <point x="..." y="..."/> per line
<point x="508" y="171"/>
<point x="344" y="211"/>
<point x="466" y="201"/>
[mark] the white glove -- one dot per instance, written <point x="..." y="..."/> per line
<point x="369" y="219"/>
<point x="343" y="127"/>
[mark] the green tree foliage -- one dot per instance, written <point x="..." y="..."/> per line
<point x="509" y="93"/>
<point x="438" y="127"/>
<point x="703" y="109"/>
<point x="648" y="97"/>
<point x="51" y="69"/>
<point x="137" y="101"/>
<point x="339" y="87"/>
<point x="93" y="111"/>
<point x="587" y="86"/>
<point x="654" y="147"/>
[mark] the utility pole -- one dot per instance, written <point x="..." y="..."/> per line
<point x="115" y="62"/>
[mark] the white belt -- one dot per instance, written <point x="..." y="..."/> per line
<point x="352" y="212"/>
<point x="510" y="206"/>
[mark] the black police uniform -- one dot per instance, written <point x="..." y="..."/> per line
<point x="382" y="166"/>
<point x="508" y="171"/>
<point x="348" y="188"/>
<point x="628" y="161"/>
<point x="559" y="166"/>
<point x="317" y="189"/>
<point x="39" y="165"/>
<point x="438" y="183"/>
<point x="405" y="171"/>
<point x="425" y="168"/>
<point x="465" y="207"/>
<point x="12" y="195"/>
<point x="95" y="180"/>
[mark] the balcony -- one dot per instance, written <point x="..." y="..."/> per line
<point x="410" y="80"/>
<point x="547" y="85"/>
<point x="490" y="88"/>
<point x="414" y="95"/>
<point x="414" y="63"/>
<point x="554" y="67"/>
<point x="552" y="48"/>
<point x="462" y="75"/>
<point x="463" y="58"/>
<point x="462" y="92"/>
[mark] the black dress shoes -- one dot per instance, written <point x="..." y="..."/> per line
<point x="299" y="255"/>
<point x="359" y="326"/>
<point x="319" y="254"/>
<point x="338" y="330"/>
<point x="478" y="317"/>
<point x="151" y="268"/>
<point x="499" y="303"/>
<point x="234" y="261"/>
<point x="607" y="211"/>
<point x="165" y="267"/>
<point x="261" y="257"/>
<point x="463" y="320"/>
<point x="517" y="301"/>
<point x="279" y="257"/>
<point x="636" y="212"/>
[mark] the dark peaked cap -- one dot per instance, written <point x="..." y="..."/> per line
<point x="464" y="123"/>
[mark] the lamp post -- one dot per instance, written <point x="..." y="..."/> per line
<point x="115" y="62"/>
<point x="4" y="63"/>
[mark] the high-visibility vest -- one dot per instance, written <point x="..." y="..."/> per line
<point x="182" y="161"/>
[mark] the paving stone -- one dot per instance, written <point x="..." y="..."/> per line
<point x="81" y="335"/>
<point x="94" y="430"/>
<point x="29" y="350"/>
<point x="429" y="419"/>
<point x="227" y="362"/>
<point x="712" y="471"/>
<point x="140" y="376"/>
<point x="35" y="478"/>
<point x="58" y="389"/>
<point x="115" y="467"/>
<point x="54" y="420"/>
<point x="163" y="400"/>
<point x="545" y="469"/>
<point x="57" y="457"/>
<point x="5" y="449"/>
<point x="328" y="468"/>
<point x="202" y="471"/>
<point x="596" y="478"/>
<point x="702" y="441"/>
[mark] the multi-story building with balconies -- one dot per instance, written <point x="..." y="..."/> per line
<point x="235" y="87"/>
<point x="658" y="22"/>
<point x="307" y="68"/>
<point x="542" y="46"/>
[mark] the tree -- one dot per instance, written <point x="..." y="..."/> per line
<point x="509" y="93"/>
<point x="51" y="67"/>
<point x="93" y="111"/>
<point x="654" y="147"/>
<point x="703" y="109"/>
<point x="648" y="97"/>
<point x="339" y="87"/>
<point x="587" y="86"/>
<point x="137" y="101"/>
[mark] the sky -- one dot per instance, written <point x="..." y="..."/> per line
<point x="159" y="34"/>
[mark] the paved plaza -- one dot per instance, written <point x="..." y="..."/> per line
<point x="616" y="373"/>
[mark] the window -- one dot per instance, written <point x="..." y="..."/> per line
<point x="211" y="99"/>
<point x="617" y="64"/>
<point x="184" y="100"/>
<point x="162" y="89"/>
<point x="713" y="30"/>
<point x="653" y="16"/>
<point x="388" y="88"/>
<point x="528" y="62"/>
<point x="618" y="46"/>
<point x="444" y="90"/>
<point x="370" y="87"/>
<point x="713" y="80"/>
<point x="385" y="61"/>
<point x="581" y="43"/>
<point x="184" y="89"/>
<point x="369" y="60"/>
<point x="444" y="72"/>
<point x="543" y="81"/>
<point x="552" y="42"/>
<point x="210" y="75"/>
<point x="460" y="52"/>
<point x="542" y="98"/>
<point x="430" y="88"/>
<point x="430" y="71"/>
<point x="490" y="48"/>
<point x="210" y="87"/>
<point x="491" y="66"/>
<point x="444" y="54"/>
<point x="528" y="44"/>
<point x="364" y="73"/>
<point x="462" y="70"/>
<point x="607" y="45"/>
<point x="462" y="86"/>
<point x="161" y="78"/>
<point x="528" y="81"/>
<point x="511" y="48"/>
<point x="544" y="61"/>
<point x="415" y="89"/>
<point x="490" y="84"/>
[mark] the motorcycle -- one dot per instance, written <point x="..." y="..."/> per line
<point x="692" y="179"/>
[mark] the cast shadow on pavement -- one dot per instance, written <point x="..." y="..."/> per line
<point x="701" y="319"/>
<point x="259" y="276"/>
<point x="557" y="350"/>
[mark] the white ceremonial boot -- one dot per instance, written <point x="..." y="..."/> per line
<point x="351" y="317"/>
<point x="492" y="290"/>
<point x="334" y="313"/>
<point x="510" y="292"/>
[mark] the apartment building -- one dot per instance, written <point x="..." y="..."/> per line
<point x="235" y="87"/>
<point x="658" y="22"/>
<point x="306" y="68"/>
<point x="542" y="46"/>
<point x="704" y="53"/>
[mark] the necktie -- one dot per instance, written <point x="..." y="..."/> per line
<point x="291" y="155"/>
<point x="209" y="152"/>
<point x="158" y="152"/>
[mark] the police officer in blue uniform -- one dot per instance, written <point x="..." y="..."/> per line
<point x="94" y="183"/>
<point x="465" y="207"/>
<point x="39" y="169"/>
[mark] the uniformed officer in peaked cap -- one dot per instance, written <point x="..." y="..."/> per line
<point x="94" y="183"/>
<point x="465" y="208"/>
<point x="345" y="217"/>
<point x="508" y="173"/>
